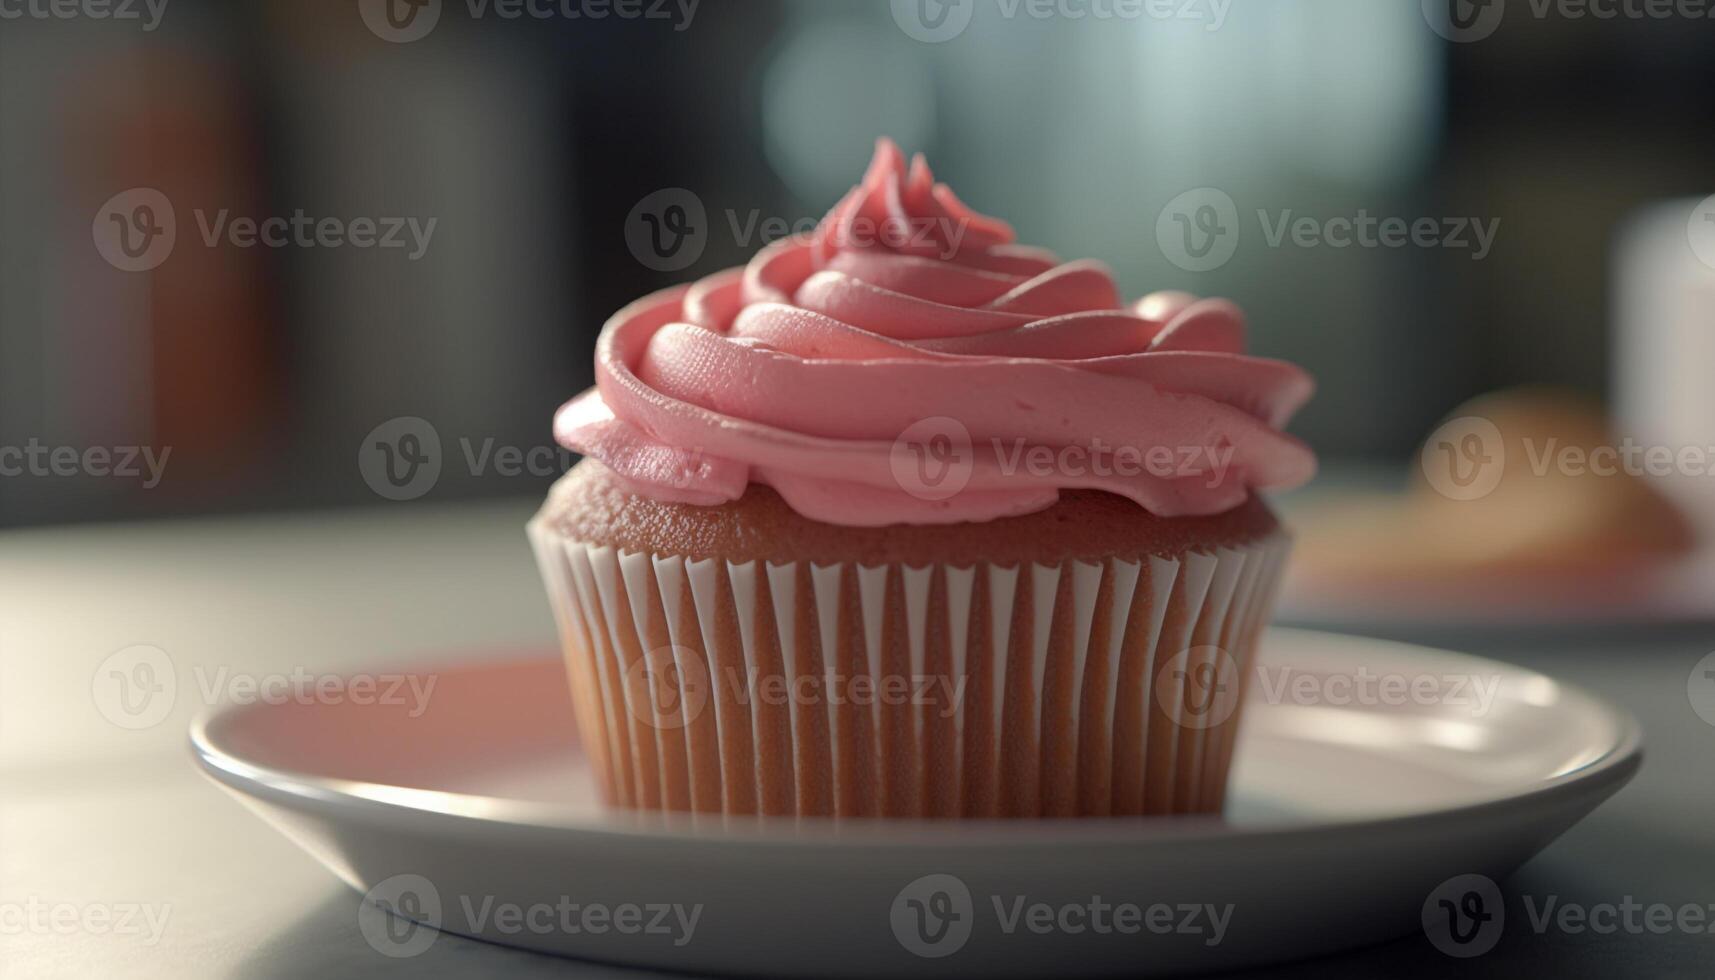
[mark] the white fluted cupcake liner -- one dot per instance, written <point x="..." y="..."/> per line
<point x="1080" y="689"/>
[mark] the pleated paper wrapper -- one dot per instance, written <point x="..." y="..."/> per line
<point x="1079" y="689"/>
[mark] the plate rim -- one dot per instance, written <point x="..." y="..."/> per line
<point x="1602" y="775"/>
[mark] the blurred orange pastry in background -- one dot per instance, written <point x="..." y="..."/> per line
<point x="1528" y="488"/>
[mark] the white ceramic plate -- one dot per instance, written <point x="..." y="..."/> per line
<point x="1368" y="774"/>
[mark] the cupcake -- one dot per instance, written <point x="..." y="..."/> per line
<point x="903" y="519"/>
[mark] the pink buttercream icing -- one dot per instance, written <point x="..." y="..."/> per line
<point x="908" y="330"/>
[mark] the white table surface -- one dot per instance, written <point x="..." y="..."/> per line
<point x="99" y="819"/>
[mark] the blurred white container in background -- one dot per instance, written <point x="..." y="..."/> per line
<point x="1664" y="340"/>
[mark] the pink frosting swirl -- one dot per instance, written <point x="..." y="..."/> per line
<point x="910" y="330"/>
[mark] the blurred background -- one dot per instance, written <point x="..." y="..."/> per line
<point x="514" y="150"/>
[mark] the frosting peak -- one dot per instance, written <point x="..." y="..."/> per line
<point x="908" y="362"/>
